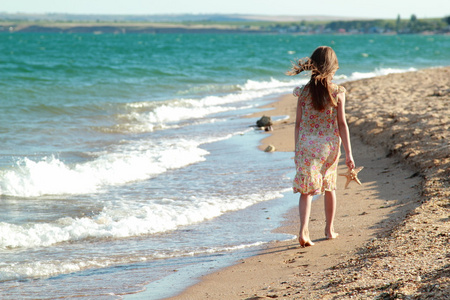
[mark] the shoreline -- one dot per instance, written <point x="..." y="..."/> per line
<point x="121" y="25"/>
<point x="393" y="229"/>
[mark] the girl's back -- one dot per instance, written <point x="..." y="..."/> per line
<point x="319" y="123"/>
<point x="318" y="147"/>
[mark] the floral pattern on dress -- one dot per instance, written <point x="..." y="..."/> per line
<point x="318" y="149"/>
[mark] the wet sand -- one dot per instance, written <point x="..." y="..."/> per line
<point x="394" y="229"/>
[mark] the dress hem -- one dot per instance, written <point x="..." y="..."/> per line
<point x="313" y="193"/>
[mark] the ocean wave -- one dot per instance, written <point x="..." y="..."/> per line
<point x="148" y="116"/>
<point x="202" y="89"/>
<point x="122" y="219"/>
<point x="375" y="73"/>
<point x="273" y="85"/>
<point x="127" y="163"/>
<point x="46" y="268"/>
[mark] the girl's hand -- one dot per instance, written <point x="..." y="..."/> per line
<point x="350" y="162"/>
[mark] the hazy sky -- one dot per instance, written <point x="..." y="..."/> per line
<point x="345" y="8"/>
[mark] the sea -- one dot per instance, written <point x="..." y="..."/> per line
<point x="129" y="165"/>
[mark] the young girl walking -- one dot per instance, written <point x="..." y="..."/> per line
<point x="319" y="128"/>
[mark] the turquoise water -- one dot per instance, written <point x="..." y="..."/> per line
<point x="124" y="156"/>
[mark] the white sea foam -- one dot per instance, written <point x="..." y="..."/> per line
<point x="47" y="268"/>
<point x="150" y="116"/>
<point x="377" y="72"/>
<point x="166" y="115"/>
<point x="44" y="269"/>
<point x="357" y="75"/>
<point x="121" y="219"/>
<point x="273" y="84"/>
<point x="126" y="163"/>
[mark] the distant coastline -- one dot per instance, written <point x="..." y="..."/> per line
<point x="99" y="24"/>
<point x="151" y="28"/>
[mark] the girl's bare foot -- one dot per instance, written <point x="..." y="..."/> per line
<point x="303" y="238"/>
<point x="305" y="243"/>
<point x="331" y="234"/>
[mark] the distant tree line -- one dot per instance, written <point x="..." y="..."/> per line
<point x="413" y="25"/>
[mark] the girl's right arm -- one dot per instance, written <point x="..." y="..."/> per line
<point x="344" y="132"/>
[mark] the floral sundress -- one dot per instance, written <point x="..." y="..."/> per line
<point x="318" y="149"/>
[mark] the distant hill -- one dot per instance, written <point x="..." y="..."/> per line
<point x="169" y="18"/>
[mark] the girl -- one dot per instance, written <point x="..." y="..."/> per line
<point x="319" y="128"/>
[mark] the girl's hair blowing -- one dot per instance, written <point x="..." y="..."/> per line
<point x="323" y="63"/>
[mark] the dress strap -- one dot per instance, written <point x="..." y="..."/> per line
<point x="338" y="90"/>
<point x="297" y="91"/>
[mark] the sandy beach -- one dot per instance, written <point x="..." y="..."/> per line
<point x="394" y="229"/>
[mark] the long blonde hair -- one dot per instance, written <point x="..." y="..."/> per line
<point x="323" y="63"/>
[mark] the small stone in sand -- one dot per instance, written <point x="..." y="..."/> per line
<point x="265" y="121"/>
<point x="270" y="148"/>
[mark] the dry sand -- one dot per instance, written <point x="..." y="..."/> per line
<point x="394" y="229"/>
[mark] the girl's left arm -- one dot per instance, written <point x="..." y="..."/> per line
<point x="344" y="132"/>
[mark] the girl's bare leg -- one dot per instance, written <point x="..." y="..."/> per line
<point x="330" y="211"/>
<point x="304" y="208"/>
